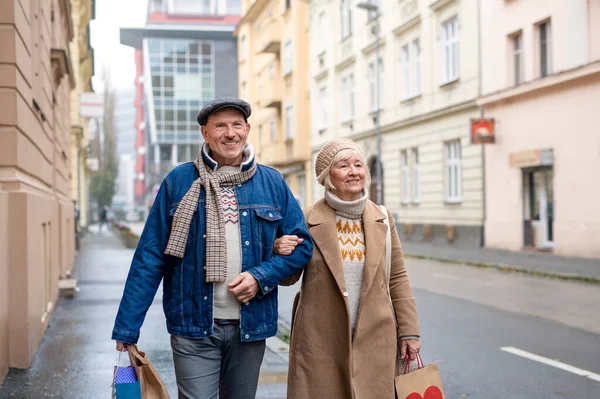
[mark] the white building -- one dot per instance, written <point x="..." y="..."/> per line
<point x="429" y="65"/>
<point x="124" y="195"/>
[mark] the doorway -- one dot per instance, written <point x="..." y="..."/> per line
<point x="539" y="208"/>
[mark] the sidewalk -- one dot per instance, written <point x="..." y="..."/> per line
<point x="76" y="356"/>
<point x="537" y="263"/>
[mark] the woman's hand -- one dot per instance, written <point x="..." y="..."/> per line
<point x="412" y="346"/>
<point x="121" y="346"/>
<point x="285" y="245"/>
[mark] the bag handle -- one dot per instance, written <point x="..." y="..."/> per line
<point x="419" y="363"/>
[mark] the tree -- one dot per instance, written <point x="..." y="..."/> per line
<point x="102" y="184"/>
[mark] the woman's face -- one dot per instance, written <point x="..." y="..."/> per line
<point x="348" y="178"/>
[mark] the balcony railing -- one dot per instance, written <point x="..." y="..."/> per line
<point x="270" y="37"/>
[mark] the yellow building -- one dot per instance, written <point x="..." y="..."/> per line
<point x="274" y="79"/>
<point x="82" y="12"/>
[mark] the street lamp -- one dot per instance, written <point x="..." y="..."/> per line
<point x="374" y="8"/>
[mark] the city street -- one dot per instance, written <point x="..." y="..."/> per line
<point x="494" y="335"/>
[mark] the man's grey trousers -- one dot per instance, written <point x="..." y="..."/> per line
<point x="220" y="366"/>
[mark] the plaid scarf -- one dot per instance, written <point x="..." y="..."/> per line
<point x="216" y="249"/>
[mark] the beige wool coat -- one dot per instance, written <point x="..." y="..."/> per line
<point x="325" y="361"/>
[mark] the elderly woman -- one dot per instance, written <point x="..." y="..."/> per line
<point x="344" y="331"/>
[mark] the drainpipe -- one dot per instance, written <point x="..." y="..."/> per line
<point x="482" y="114"/>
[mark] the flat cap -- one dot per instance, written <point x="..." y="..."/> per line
<point x="221" y="103"/>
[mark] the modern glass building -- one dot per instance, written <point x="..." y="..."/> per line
<point x="186" y="55"/>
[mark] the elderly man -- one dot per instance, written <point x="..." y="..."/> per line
<point x="209" y="237"/>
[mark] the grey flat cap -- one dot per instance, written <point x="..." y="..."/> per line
<point x="220" y="103"/>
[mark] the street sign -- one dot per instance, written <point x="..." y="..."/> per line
<point x="482" y="131"/>
<point x="91" y="105"/>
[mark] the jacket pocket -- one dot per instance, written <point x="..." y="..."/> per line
<point x="268" y="221"/>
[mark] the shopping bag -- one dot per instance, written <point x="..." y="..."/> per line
<point x="423" y="383"/>
<point x="125" y="383"/>
<point x="151" y="384"/>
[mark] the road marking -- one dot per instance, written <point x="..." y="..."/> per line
<point x="551" y="362"/>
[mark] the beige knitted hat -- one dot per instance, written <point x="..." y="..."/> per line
<point x="330" y="150"/>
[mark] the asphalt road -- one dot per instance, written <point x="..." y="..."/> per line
<point x="469" y="314"/>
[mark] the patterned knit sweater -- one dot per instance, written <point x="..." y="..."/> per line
<point x="351" y="240"/>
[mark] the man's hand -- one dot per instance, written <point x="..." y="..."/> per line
<point x="412" y="346"/>
<point x="285" y="245"/>
<point x="244" y="287"/>
<point x="121" y="346"/>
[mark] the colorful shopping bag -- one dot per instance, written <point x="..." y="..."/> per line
<point x="125" y="382"/>
<point x="423" y="383"/>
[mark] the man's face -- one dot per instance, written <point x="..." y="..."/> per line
<point x="226" y="133"/>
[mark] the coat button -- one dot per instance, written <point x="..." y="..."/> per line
<point x="204" y="332"/>
<point x="247" y="303"/>
<point x="266" y="288"/>
<point x="345" y="293"/>
<point x="203" y="235"/>
<point x="247" y="243"/>
<point x="245" y="213"/>
<point x="246" y="336"/>
<point x="270" y="215"/>
<point x="205" y="298"/>
<point x="239" y="185"/>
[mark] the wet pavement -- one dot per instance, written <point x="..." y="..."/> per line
<point x="76" y="356"/>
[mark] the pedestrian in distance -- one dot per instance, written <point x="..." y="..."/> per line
<point x="209" y="237"/>
<point x="104" y="218"/>
<point x="345" y="333"/>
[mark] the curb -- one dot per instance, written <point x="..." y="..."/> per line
<point x="510" y="268"/>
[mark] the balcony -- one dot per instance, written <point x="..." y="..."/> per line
<point x="344" y="53"/>
<point x="270" y="37"/>
<point x="271" y="93"/>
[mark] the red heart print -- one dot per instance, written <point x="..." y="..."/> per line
<point x="432" y="392"/>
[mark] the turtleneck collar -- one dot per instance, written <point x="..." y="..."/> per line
<point x="348" y="209"/>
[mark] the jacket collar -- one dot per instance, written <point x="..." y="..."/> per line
<point x="246" y="164"/>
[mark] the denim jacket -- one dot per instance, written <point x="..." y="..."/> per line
<point x="267" y="210"/>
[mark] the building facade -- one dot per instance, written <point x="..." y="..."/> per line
<point x="413" y="67"/>
<point x="273" y="77"/>
<point x="542" y="87"/>
<point x="125" y="127"/>
<point x="186" y="56"/>
<point x="36" y="208"/>
<point x="82" y="12"/>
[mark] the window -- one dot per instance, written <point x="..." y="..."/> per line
<point x="322" y="31"/>
<point x="288" y="4"/>
<point x="302" y="189"/>
<point x="347" y="98"/>
<point x="243" y="49"/>
<point x="375" y="89"/>
<point x="165" y="152"/>
<point x="545" y="49"/>
<point x="346" y="18"/>
<point x="450" y="50"/>
<point x="405" y="60"/>
<point x="271" y="70"/>
<point x="405" y="177"/>
<point x="414" y="156"/>
<point x="289" y="122"/>
<point x="260" y="136"/>
<point x="518" y="64"/>
<point x="273" y="131"/>
<point x="453" y="172"/>
<point x="244" y="91"/>
<point x="234" y="7"/>
<point x="416" y="67"/>
<point x="287" y="57"/>
<point x="322" y="112"/>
